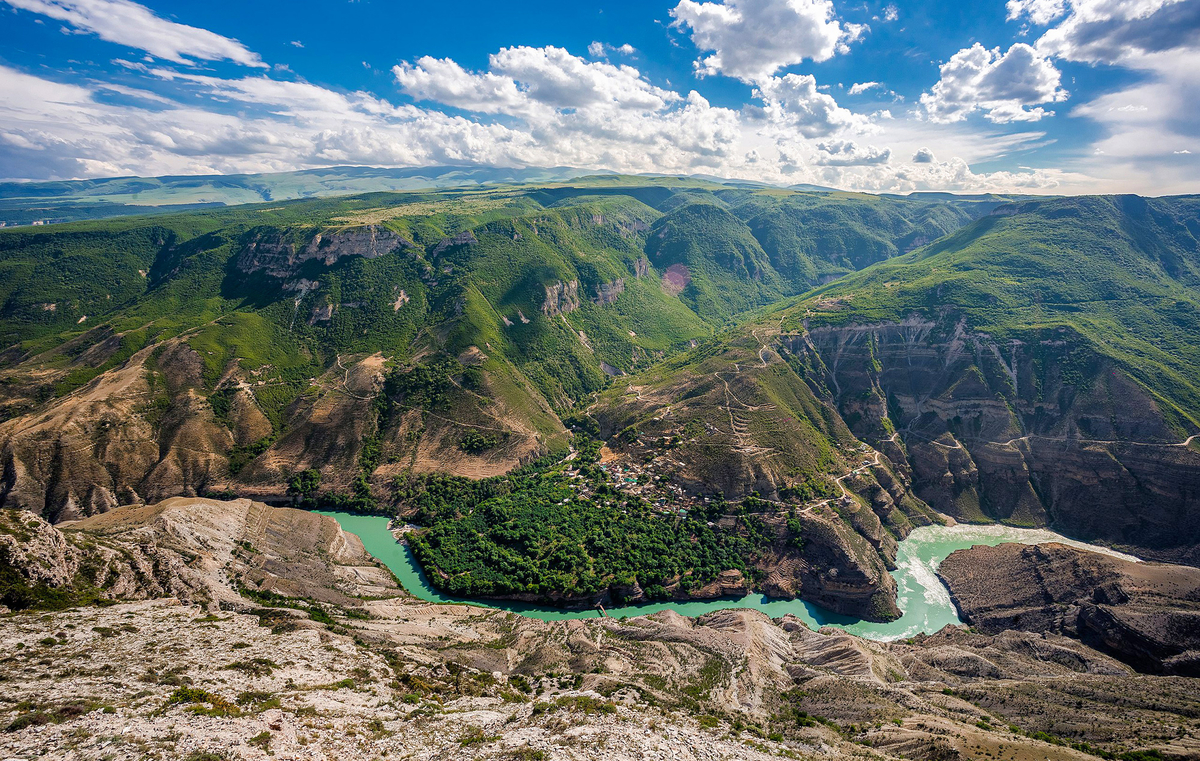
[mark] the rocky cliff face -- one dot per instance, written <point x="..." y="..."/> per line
<point x="463" y="239"/>
<point x="1146" y="614"/>
<point x="1039" y="432"/>
<point x="107" y="444"/>
<point x="273" y="253"/>
<point x="607" y="293"/>
<point x="198" y="550"/>
<point x="561" y="298"/>
<point x="144" y="431"/>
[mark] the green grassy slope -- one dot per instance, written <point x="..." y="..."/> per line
<point x="173" y="272"/>
<point x="365" y="340"/>
<point x="725" y="269"/>
<point x="1119" y="271"/>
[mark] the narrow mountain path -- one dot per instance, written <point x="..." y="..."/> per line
<point x="1186" y="442"/>
<point x="839" y="481"/>
<point x="455" y="422"/>
<point x="346" y="381"/>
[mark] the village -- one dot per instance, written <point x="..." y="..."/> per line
<point x="654" y="479"/>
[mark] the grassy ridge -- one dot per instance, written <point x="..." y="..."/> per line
<point x="1121" y="272"/>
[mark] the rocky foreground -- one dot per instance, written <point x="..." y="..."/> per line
<point x="244" y="631"/>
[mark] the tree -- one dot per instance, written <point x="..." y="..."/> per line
<point x="476" y="442"/>
<point x="794" y="528"/>
<point x="305" y="484"/>
<point x="472" y="378"/>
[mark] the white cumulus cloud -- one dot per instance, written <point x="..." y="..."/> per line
<point x="1040" y="12"/>
<point x="136" y="26"/>
<point x="1159" y="40"/>
<point x="793" y="103"/>
<point x="752" y="39"/>
<point x="1111" y="31"/>
<point x="861" y="87"/>
<point x="849" y="153"/>
<point x="600" y="49"/>
<point x="527" y="81"/>
<point x="1006" y="87"/>
<point x="441" y="80"/>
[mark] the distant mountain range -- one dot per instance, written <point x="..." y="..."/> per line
<point x="26" y="203"/>
<point x="29" y="202"/>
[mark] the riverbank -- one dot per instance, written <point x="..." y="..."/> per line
<point x="921" y="595"/>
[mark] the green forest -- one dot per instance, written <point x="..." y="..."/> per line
<point x="531" y="533"/>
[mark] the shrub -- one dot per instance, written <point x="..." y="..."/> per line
<point x="305" y="483"/>
<point x="475" y="736"/>
<point x="261" y="740"/>
<point x="31" y="719"/>
<point x="219" y="706"/>
<point x="472" y="378"/>
<point x="260" y="701"/>
<point x="475" y="442"/>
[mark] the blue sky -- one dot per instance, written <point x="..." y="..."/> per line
<point x="1024" y="95"/>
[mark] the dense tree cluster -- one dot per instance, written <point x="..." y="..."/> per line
<point x="529" y="532"/>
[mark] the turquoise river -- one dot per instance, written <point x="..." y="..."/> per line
<point x="922" y="597"/>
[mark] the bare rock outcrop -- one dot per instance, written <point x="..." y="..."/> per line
<point x="200" y="550"/>
<point x="1037" y="431"/>
<point x="607" y="293"/>
<point x="100" y="447"/>
<point x="465" y="238"/>
<point x="1146" y="614"/>
<point x="270" y="252"/>
<point x="561" y="298"/>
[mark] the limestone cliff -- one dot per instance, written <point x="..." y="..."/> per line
<point x="560" y="298"/>
<point x="1035" y="432"/>
<point x="272" y="252"/>
<point x="199" y="550"/>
